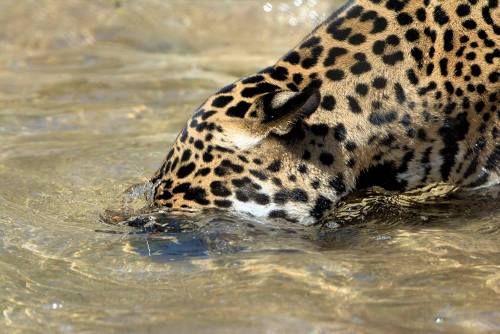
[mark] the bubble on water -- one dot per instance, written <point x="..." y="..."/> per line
<point x="56" y="306"/>
<point x="53" y="306"/>
<point x="293" y="21"/>
<point x="312" y="3"/>
<point x="268" y="7"/>
<point x="298" y="3"/>
<point x="283" y="7"/>
<point x="439" y="320"/>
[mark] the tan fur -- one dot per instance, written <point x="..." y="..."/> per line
<point x="277" y="140"/>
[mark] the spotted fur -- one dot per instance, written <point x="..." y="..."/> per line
<point x="389" y="93"/>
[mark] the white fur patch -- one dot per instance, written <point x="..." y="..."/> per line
<point x="281" y="98"/>
<point x="493" y="180"/>
<point x="244" y="141"/>
<point x="413" y="176"/>
<point x="253" y="209"/>
<point x="262" y="211"/>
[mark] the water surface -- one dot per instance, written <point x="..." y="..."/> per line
<point x="92" y="93"/>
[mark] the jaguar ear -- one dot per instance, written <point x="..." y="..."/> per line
<point x="272" y="113"/>
<point x="279" y="111"/>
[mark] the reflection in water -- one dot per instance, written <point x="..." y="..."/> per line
<point x="92" y="93"/>
<point x="169" y="235"/>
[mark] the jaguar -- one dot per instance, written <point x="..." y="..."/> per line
<point x="397" y="94"/>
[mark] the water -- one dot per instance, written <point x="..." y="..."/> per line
<point x="91" y="96"/>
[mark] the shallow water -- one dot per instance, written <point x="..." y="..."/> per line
<point x="92" y="93"/>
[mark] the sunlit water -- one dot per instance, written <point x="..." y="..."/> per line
<point x="92" y="93"/>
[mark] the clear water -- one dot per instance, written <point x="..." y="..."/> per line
<point x="92" y="93"/>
